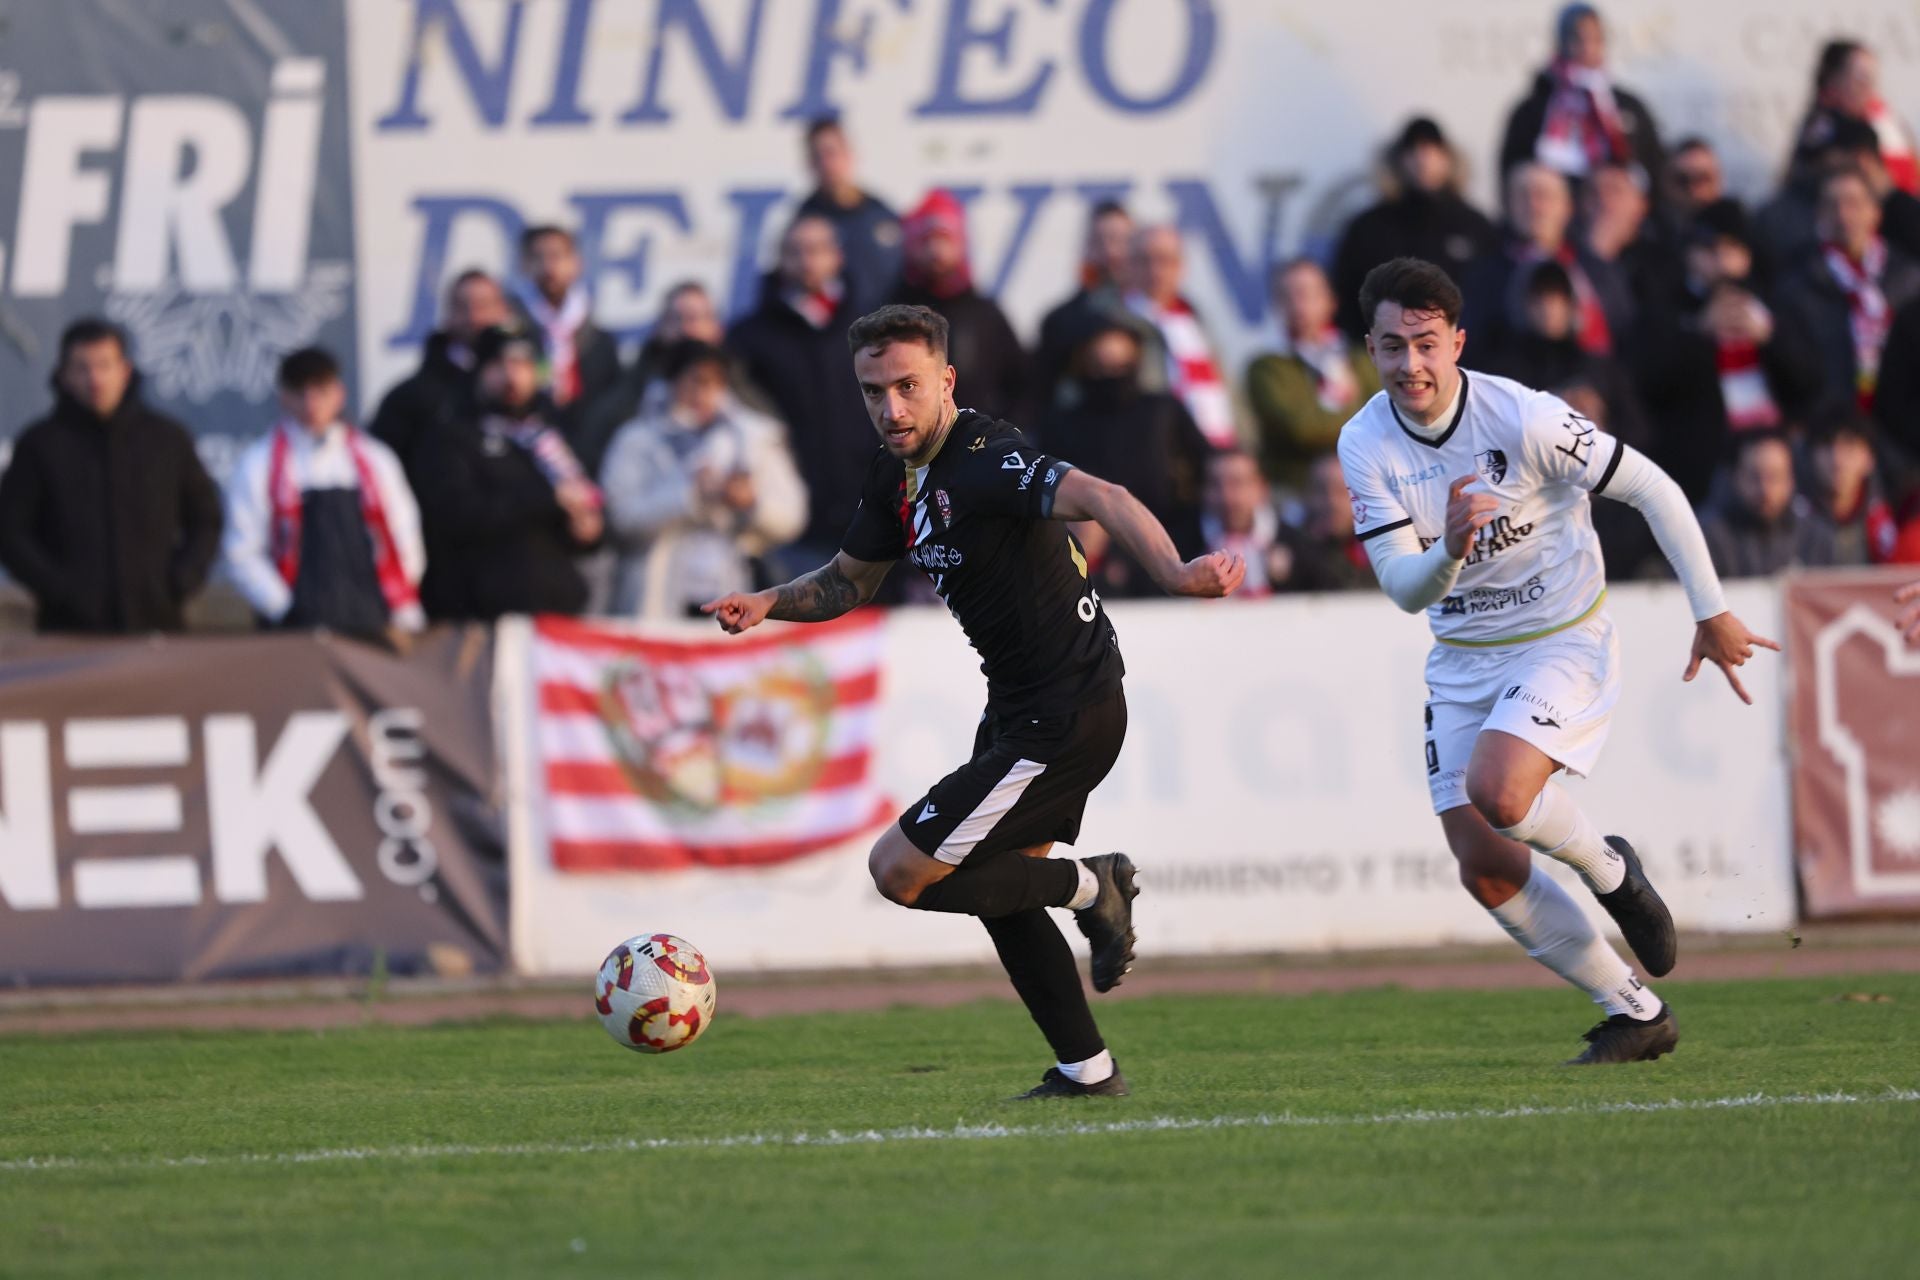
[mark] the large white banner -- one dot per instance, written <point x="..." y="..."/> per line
<point x="1272" y="791"/>
<point x="668" y="131"/>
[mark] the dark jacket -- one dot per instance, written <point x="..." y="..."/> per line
<point x="1495" y="289"/>
<point x="1816" y="306"/>
<point x="1144" y="441"/>
<point x="497" y="541"/>
<point x="1442" y="228"/>
<point x="1554" y="364"/>
<point x="1743" y="546"/>
<point x="1896" y="403"/>
<point x="870" y="242"/>
<point x="809" y="374"/>
<point x="1528" y="118"/>
<point x="111" y="523"/>
<point x="995" y="375"/>
<point x="597" y="354"/>
<point x="439" y="392"/>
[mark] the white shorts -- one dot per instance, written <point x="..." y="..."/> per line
<point x="1557" y="693"/>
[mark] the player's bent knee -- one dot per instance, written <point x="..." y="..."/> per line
<point x="1501" y="800"/>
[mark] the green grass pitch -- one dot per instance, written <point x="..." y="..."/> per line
<point x="1367" y="1134"/>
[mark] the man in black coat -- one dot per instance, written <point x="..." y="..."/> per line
<point x="1576" y="119"/>
<point x="583" y="360"/>
<point x="1105" y="264"/>
<point x="1425" y="218"/>
<point x="106" y="514"/>
<point x="505" y="505"/>
<point x="794" y="344"/>
<point x="441" y="390"/>
<point x="938" y="274"/>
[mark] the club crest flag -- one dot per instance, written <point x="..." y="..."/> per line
<point x="660" y="754"/>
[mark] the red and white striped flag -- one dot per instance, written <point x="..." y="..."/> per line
<point x="660" y="754"/>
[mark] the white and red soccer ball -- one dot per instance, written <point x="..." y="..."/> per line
<point x="655" y="993"/>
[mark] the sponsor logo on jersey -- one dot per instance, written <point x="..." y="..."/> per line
<point x="1579" y="442"/>
<point x="1409" y="478"/>
<point x="1532" y="699"/>
<point x="945" y="505"/>
<point x="1013" y="462"/>
<point x="935" y="557"/>
<point x="1546" y="721"/>
<point x="1492" y="464"/>
<point x="1027" y="479"/>
<point x="1492" y="599"/>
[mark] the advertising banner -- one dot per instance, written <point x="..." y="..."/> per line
<point x="227" y="807"/>
<point x="1856" y="745"/>
<point x="1273" y="802"/>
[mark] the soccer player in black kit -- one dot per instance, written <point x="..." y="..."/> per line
<point x="977" y="508"/>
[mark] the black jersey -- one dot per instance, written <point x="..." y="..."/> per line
<point x="975" y="520"/>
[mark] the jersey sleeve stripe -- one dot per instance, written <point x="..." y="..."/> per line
<point x="1619" y="447"/>
<point x="1385" y="528"/>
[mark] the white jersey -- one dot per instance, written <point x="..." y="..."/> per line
<point x="1535" y="568"/>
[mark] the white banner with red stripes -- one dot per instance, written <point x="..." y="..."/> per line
<point x="661" y="752"/>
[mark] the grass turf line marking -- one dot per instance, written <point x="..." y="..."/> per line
<point x="961" y="1132"/>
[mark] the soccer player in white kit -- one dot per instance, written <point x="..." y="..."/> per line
<point x="1470" y="494"/>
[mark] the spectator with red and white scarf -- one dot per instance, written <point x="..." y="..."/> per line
<point x="1845" y="293"/>
<point x="1846" y="86"/>
<point x="937" y="273"/>
<point x="583" y="360"/>
<point x="1845" y="493"/>
<point x="1187" y="354"/>
<point x="506" y="506"/>
<point x="1310" y="378"/>
<point x="322" y="530"/>
<point x="1539" y="222"/>
<point x="1576" y="119"/>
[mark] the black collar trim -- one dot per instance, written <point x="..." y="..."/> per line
<point x="1459" y="412"/>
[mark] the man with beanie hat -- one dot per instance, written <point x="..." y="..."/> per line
<point x="1576" y="119"/>
<point x="937" y="273"/>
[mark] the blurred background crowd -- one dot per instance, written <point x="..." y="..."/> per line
<point x="1768" y="356"/>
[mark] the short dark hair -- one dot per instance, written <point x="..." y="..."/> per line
<point x="1692" y="142"/>
<point x="898" y="322"/>
<point x="1849" y="170"/>
<point x="824" y="124"/>
<point x="535" y="234"/>
<point x="472" y="275"/>
<point x="691" y="353"/>
<point x="307" y="367"/>
<point x="1549" y="280"/>
<point x="1745" y="442"/>
<point x="684" y="286"/>
<point x="88" y="330"/>
<point x="1834" y="56"/>
<point x="1836" y="421"/>
<point x="1413" y="283"/>
<point x="1107" y="208"/>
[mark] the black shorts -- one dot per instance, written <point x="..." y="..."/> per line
<point x="1026" y="785"/>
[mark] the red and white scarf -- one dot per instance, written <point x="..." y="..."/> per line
<point x="549" y="449"/>
<point x="817" y="306"/>
<point x="561" y="324"/>
<point x="284" y="494"/>
<point x="1193" y="374"/>
<point x="1590" y="329"/>
<point x="1896" y="147"/>
<point x="1255" y="547"/>
<point x="1743" y="387"/>
<point x="1582" y="129"/>
<point x="1868" y="315"/>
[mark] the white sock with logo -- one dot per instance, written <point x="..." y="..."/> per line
<point x="1092" y="1071"/>
<point x="1559" y="828"/>
<point x="1088" y="890"/>
<point x="1545" y="919"/>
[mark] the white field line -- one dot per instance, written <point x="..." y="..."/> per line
<point x="961" y="1132"/>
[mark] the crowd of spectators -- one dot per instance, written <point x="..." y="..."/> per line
<point x="1767" y="357"/>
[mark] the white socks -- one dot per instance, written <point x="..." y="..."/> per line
<point x="1559" y="828"/>
<point x="1092" y="1071"/>
<point x="1082" y="899"/>
<point x="1550" y="925"/>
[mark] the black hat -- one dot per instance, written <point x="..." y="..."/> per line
<point x="1724" y="219"/>
<point x="494" y="343"/>
<point x="1420" y="129"/>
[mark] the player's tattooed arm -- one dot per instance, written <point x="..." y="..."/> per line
<point x="824" y="594"/>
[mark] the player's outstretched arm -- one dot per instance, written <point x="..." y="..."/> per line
<point x="1718" y="636"/>
<point x="1129" y="523"/>
<point x="838" y="587"/>
<point x="1909" y="621"/>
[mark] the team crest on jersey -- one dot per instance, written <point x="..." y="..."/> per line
<point x="1493" y="465"/>
<point x="1359" y="512"/>
<point x="945" y="506"/>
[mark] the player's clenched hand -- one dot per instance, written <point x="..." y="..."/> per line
<point x="1215" y="574"/>
<point x="1466" y="513"/>
<point x="1725" y="641"/>
<point x="1909" y="622"/>
<point x="740" y="610"/>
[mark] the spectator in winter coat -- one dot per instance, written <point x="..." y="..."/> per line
<point x="1310" y="378"/>
<point x="1576" y="119"/>
<point x="1178" y="345"/>
<point x="1763" y="527"/>
<point x="868" y="230"/>
<point x="441" y="389"/>
<point x="1105" y="265"/>
<point x="1320" y="555"/>
<point x="583" y="360"/>
<point x="1843" y="297"/>
<point x="1620" y="231"/>
<point x="696" y="489"/>
<point x="981" y="344"/>
<point x="794" y="344"/>
<point x="322" y="530"/>
<point x="1844" y="493"/>
<point x="1545" y="354"/>
<point x="1692" y="180"/>
<point x="1539" y="225"/>
<point x="506" y="505"/>
<point x="1846" y="89"/>
<point x="106" y="514"/>
<point x="1422" y="216"/>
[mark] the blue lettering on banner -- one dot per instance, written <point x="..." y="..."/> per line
<point x="564" y="108"/>
<point x="1202" y="32"/>
<point x="441" y="213"/>
<point x="731" y="82"/>
<point x="960" y="38"/>
<point x="833" y="40"/>
<point x="1197" y="214"/>
<point x="486" y="85"/>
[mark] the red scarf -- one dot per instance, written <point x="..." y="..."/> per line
<point x="1868" y="315"/>
<point x="1743" y="387"/>
<point x="817" y="307"/>
<point x="1582" y="128"/>
<point x="283" y="492"/>
<point x="1590" y="327"/>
